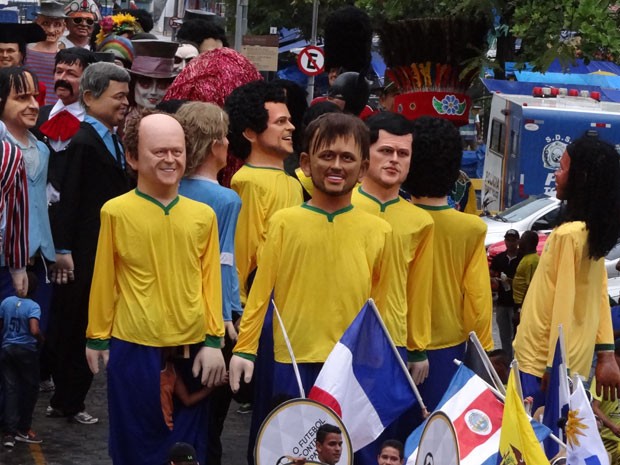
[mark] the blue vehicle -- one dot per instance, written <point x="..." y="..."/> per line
<point x="528" y="135"/>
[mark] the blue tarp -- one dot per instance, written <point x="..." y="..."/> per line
<point x="558" y="79"/>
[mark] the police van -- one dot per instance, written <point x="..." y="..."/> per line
<point x="529" y="133"/>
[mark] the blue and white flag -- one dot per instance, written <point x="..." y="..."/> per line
<point x="363" y="380"/>
<point x="583" y="441"/>
<point x="556" y="401"/>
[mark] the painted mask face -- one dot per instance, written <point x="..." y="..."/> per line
<point x="150" y="91"/>
<point x="185" y="53"/>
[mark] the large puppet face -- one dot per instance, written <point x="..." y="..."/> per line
<point x="184" y="54"/>
<point x="150" y="91"/>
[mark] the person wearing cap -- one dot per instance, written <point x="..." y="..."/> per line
<point x="120" y="47"/>
<point x="41" y="55"/>
<point x="182" y="453"/>
<point x="13" y="46"/>
<point x="503" y="268"/>
<point x="152" y="72"/>
<point x="81" y="18"/>
<point x="461" y="296"/>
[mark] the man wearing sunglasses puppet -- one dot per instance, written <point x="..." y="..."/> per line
<point x="82" y="16"/>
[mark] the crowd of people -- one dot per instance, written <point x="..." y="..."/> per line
<point x="161" y="202"/>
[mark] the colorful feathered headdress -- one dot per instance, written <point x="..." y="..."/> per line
<point x="118" y="24"/>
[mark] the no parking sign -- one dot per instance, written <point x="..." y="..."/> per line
<point x="311" y="60"/>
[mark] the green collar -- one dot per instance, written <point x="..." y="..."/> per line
<point x="263" y="167"/>
<point x="433" y="207"/>
<point x="165" y="208"/>
<point x="330" y="216"/>
<point x="383" y="206"/>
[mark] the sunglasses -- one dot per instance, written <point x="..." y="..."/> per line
<point x="88" y="21"/>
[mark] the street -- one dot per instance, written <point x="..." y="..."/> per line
<point x="69" y="443"/>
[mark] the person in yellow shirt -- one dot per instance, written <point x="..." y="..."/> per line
<point x="261" y="134"/>
<point x="408" y="318"/>
<point x="525" y="272"/>
<point x="320" y="261"/>
<point x="156" y="287"/>
<point x="461" y="296"/>
<point x="569" y="287"/>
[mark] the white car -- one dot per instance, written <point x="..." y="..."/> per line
<point x="539" y="213"/>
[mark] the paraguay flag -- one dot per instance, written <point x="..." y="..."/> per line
<point x="363" y="380"/>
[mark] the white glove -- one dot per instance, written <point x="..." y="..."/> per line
<point x="419" y="371"/>
<point x="92" y="357"/>
<point x="210" y="362"/>
<point x="239" y="367"/>
<point x="230" y="330"/>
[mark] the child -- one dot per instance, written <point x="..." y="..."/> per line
<point x="172" y="384"/>
<point x="19" y="325"/>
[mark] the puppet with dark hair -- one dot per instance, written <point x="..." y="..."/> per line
<point x="427" y="59"/>
<point x="348" y="38"/>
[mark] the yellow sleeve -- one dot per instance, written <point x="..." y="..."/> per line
<point x="564" y="294"/>
<point x="101" y="305"/>
<point x="605" y="332"/>
<point x="419" y="292"/>
<point x="250" y="233"/>
<point x="260" y="295"/>
<point x="381" y="280"/>
<point x="212" y="284"/>
<point x="478" y="303"/>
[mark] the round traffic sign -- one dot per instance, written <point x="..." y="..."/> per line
<point x="311" y="60"/>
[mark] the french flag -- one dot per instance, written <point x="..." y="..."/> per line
<point x="363" y="380"/>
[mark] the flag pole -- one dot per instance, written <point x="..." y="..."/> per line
<point x="302" y="393"/>
<point x="502" y="397"/>
<point x="487" y="363"/>
<point x="425" y="412"/>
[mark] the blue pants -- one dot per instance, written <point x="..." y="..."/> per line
<point x="20" y="378"/>
<point x="138" y="432"/>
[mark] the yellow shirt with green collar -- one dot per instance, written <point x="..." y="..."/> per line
<point x="263" y="192"/>
<point x="157" y="274"/>
<point x="408" y="316"/>
<point x="322" y="267"/>
<point x="568" y="288"/>
<point x="461" y="298"/>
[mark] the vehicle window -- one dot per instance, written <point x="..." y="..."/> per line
<point x="526" y="208"/>
<point x="548" y="221"/>
<point x="614" y="253"/>
<point x="498" y="137"/>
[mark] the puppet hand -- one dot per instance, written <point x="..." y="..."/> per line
<point x="92" y="357"/>
<point x="230" y="330"/>
<point x="239" y="367"/>
<point x="418" y="370"/>
<point x="210" y="362"/>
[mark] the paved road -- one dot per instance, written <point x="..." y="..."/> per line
<point x="67" y="443"/>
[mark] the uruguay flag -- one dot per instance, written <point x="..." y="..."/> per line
<point x="363" y="380"/>
<point x="557" y="398"/>
<point x="584" y="445"/>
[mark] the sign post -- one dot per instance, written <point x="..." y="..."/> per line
<point x="311" y="60"/>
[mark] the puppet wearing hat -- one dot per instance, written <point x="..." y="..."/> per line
<point x="426" y="58"/>
<point x="82" y="16"/>
<point x="348" y="38"/>
<point x="152" y="72"/>
<point x="41" y="55"/>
